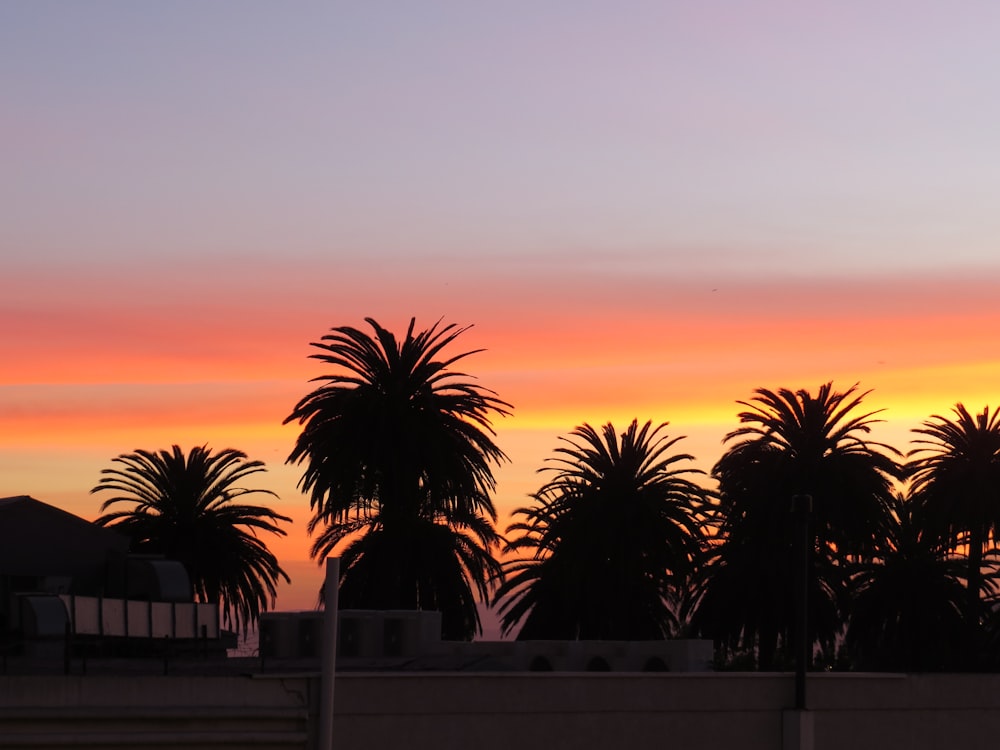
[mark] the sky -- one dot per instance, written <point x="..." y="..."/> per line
<point x="644" y="209"/>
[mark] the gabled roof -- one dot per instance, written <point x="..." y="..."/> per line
<point x="37" y="539"/>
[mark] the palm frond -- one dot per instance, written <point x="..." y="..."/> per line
<point x="182" y="505"/>
<point x="393" y="439"/>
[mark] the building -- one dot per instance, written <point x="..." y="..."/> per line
<point x="69" y="586"/>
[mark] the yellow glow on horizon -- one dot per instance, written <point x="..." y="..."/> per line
<point x="687" y="362"/>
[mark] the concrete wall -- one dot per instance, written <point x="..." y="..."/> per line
<point x="882" y="711"/>
<point x="553" y="710"/>
<point x="131" y="711"/>
<point x="549" y="711"/>
<point x="503" y="710"/>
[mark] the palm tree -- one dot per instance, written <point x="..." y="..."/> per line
<point x="399" y="448"/>
<point x="185" y="508"/>
<point x="441" y="561"/>
<point x="955" y="472"/>
<point x="611" y="534"/>
<point x="908" y="604"/>
<point x="792" y="443"/>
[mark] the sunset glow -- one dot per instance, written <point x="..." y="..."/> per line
<point x="643" y="214"/>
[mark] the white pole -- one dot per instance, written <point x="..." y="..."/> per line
<point x="331" y="588"/>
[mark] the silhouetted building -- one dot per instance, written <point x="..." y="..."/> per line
<point x="408" y="640"/>
<point x="65" y="581"/>
<point x="44" y="549"/>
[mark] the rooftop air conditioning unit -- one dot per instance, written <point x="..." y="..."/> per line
<point x="43" y="616"/>
<point x="400" y="633"/>
<point x="309" y="643"/>
<point x="278" y="635"/>
<point x="410" y="632"/>
<point x="360" y="633"/>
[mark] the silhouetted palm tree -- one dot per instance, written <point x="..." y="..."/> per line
<point x="908" y="604"/>
<point x="186" y="508"/>
<point x="792" y="443"/>
<point x="955" y="474"/>
<point x="610" y="534"/>
<point x="399" y="447"/>
<point x="441" y="561"/>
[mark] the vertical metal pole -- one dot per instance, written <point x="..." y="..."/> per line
<point x="331" y="589"/>
<point x="801" y="508"/>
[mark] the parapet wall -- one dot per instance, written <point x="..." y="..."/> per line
<point x="692" y="711"/>
<point x="497" y="711"/>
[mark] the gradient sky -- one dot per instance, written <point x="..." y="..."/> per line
<point x="646" y="209"/>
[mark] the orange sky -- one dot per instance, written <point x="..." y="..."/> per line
<point x="91" y="375"/>
<point x="644" y="215"/>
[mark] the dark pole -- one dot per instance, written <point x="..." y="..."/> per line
<point x="801" y="508"/>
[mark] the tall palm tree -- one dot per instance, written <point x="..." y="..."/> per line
<point x="186" y="508"/>
<point x="793" y="443"/>
<point x="955" y="472"/>
<point x="425" y="564"/>
<point x="610" y="534"/>
<point x="908" y="604"/>
<point x="399" y="448"/>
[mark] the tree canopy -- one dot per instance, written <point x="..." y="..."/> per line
<point x="623" y="540"/>
<point x="188" y="507"/>
<point x="611" y="535"/>
<point x="955" y="474"/>
<point x="793" y="443"/>
<point x="398" y="452"/>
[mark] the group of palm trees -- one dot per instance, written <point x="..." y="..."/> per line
<point x="625" y="540"/>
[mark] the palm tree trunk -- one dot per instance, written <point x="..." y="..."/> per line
<point x="767" y="647"/>
<point x="974" y="581"/>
